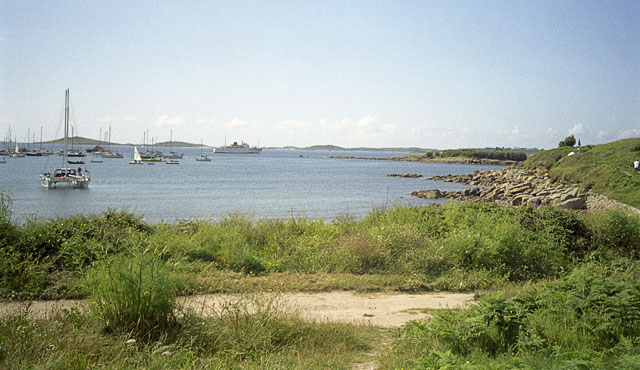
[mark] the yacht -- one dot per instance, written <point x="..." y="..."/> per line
<point x="202" y="158"/>
<point x="66" y="176"/>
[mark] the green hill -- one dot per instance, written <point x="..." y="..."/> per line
<point x="79" y="140"/>
<point x="606" y="168"/>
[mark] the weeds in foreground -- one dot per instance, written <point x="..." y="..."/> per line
<point x="249" y="332"/>
<point x="134" y="294"/>
<point x="589" y="317"/>
<point x="459" y="247"/>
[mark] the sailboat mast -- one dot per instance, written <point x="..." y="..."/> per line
<point x="40" y="138"/>
<point x="66" y="128"/>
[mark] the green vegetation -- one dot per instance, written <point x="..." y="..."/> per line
<point x="607" y="168"/>
<point x="456" y="247"/>
<point x="589" y="318"/>
<point x="557" y="289"/>
<point x="498" y="154"/>
<point x="568" y="141"/>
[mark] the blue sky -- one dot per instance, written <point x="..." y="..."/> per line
<point x="432" y="74"/>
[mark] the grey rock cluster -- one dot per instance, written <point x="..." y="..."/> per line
<point x="511" y="186"/>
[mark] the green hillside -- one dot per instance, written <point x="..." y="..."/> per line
<point x="606" y="168"/>
<point x="79" y="140"/>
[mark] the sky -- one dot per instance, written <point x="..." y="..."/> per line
<point x="429" y="74"/>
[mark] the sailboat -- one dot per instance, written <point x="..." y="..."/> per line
<point x="173" y="155"/>
<point x="65" y="175"/>
<point x="202" y="158"/>
<point x="17" y="153"/>
<point x="137" y="159"/>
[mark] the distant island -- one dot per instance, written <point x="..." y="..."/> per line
<point x="79" y="140"/>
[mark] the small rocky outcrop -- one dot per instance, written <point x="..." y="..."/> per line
<point x="408" y="175"/>
<point x="428" y="194"/>
<point x="514" y="187"/>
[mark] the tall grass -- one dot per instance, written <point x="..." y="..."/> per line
<point x="251" y="332"/>
<point x="459" y="246"/>
<point x="134" y="293"/>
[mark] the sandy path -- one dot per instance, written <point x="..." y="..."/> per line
<point x="379" y="309"/>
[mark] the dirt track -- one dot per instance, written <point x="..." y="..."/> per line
<point x="379" y="309"/>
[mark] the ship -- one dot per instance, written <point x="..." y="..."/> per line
<point x="235" y="148"/>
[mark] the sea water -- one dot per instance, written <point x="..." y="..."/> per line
<point x="273" y="184"/>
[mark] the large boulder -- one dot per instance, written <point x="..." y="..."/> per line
<point x="428" y="194"/>
<point x="572" y="203"/>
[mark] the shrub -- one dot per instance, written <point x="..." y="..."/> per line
<point x="568" y="141"/>
<point x="133" y="294"/>
<point x="592" y="314"/>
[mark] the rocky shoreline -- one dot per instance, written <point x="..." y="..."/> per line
<point x="517" y="187"/>
<point x="458" y="160"/>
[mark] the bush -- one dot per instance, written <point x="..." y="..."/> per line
<point x="568" y="141"/>
<point x="133" y="294"/>
<point x="590" y="315"/>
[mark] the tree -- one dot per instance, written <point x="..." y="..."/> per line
<point x="568" y="141"/>
<point x="579" y="143"/>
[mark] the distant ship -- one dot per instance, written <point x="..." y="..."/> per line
<point x="236" y="148"/>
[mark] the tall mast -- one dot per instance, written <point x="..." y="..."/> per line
<point x="40" y="138"/>
<point x="109" y="138"/>
<point x="66" y="127"/>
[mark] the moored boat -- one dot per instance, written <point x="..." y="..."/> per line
<point x="66" y="176"/>
<point x="235" y="148"/>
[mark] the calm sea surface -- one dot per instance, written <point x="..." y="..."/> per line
<point x="273" y="184"/>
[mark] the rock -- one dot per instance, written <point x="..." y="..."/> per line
<point x="409" y="175"/>
<point x="572" y="203"/>
<point x="471" y="192"/>
<point x="428" y="194"/>
<point x="534" y="201"/>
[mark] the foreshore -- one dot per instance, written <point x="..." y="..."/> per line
<point x="517" y="187"/>
<point x="457" y="160"/>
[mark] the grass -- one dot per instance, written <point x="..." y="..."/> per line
<point x="556" y="289"/>
<point x="460" y="247"/>
<point x="607" y="168"/>
<point x="587" y="319"/>
<point x="235" y="338"/>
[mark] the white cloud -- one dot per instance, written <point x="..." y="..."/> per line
<point x="201" y="121"/>
<point x="169" y="121"/>
<point x="117" y="119"/>
<point x="577" y="129"/>
<point x="237" y="123"/>
<point x="631" y="132"/>
<point x="515" y="131"/>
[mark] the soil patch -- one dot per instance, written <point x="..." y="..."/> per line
<point x="378" y="309"/>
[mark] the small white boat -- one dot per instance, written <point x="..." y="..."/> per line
<point x="3" y="160"/>
<point x="172" y="155"/>
<point x="202" y="158"/>
<point x="137" y="159"/>
<point x="173" y="161"/>
<point x="17" y="153"/>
